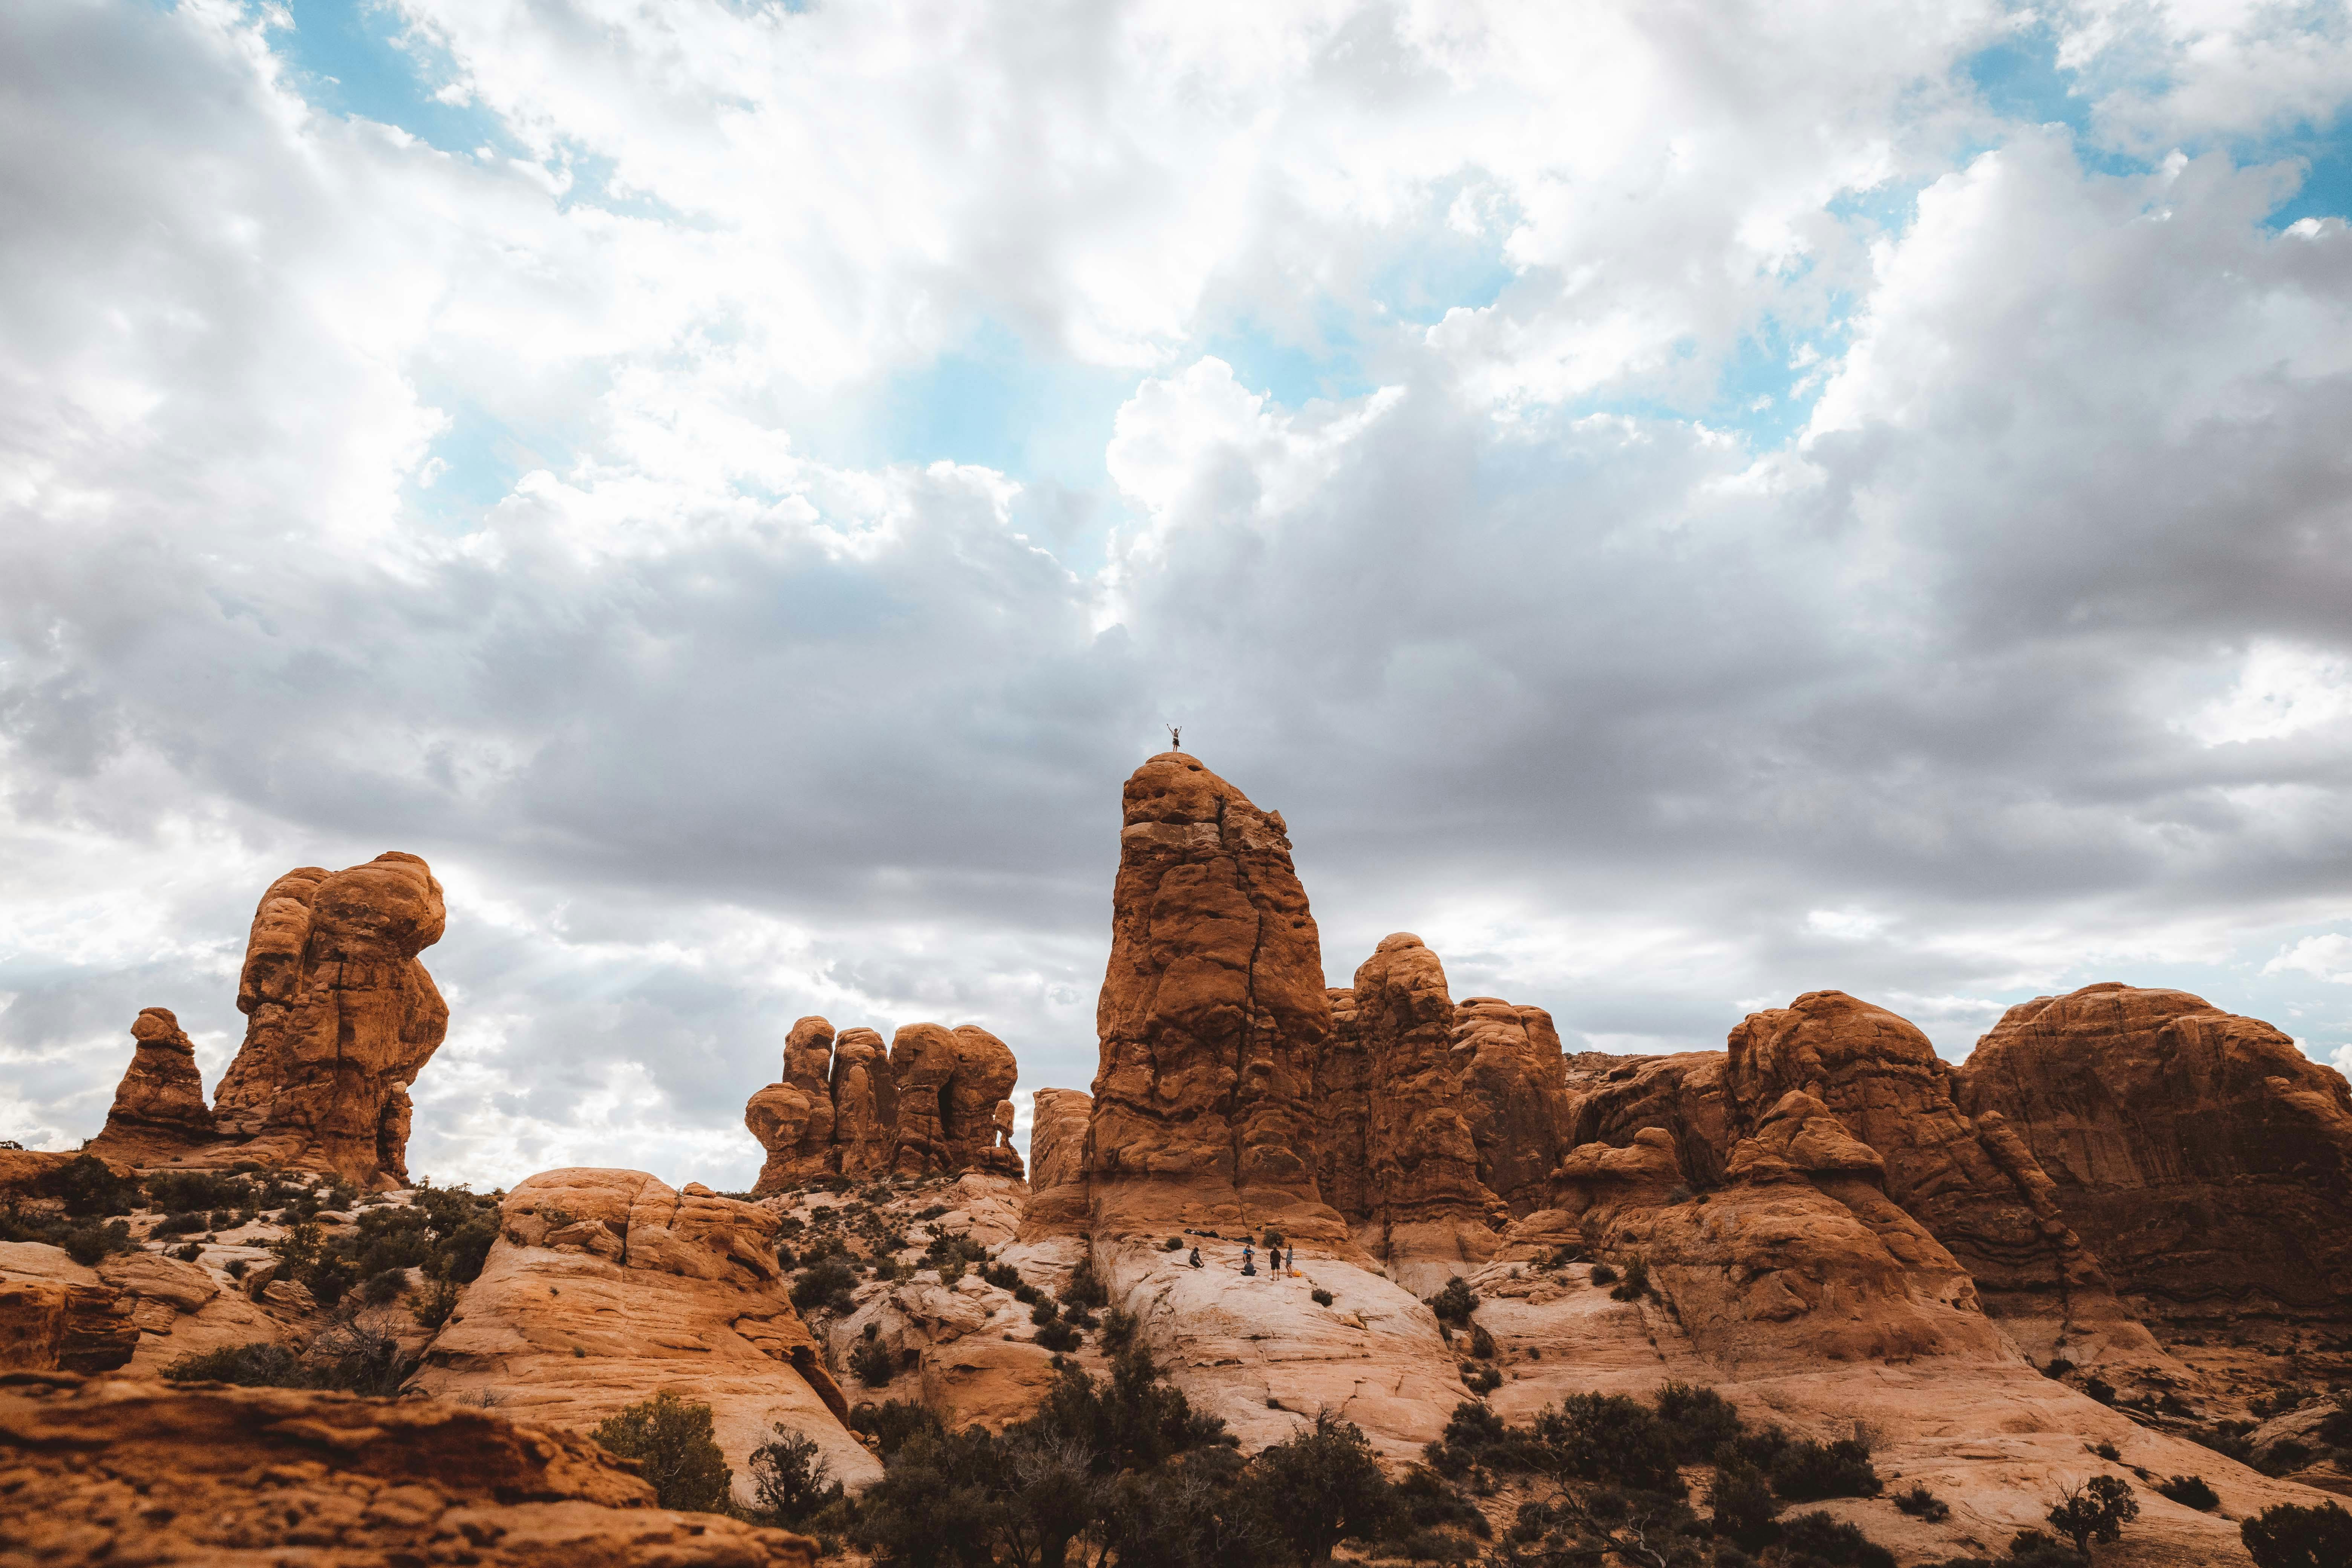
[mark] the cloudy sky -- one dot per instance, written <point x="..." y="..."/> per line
<point x="1679" y="506"/>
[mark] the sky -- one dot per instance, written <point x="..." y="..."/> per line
<point x="1679" y="506"/>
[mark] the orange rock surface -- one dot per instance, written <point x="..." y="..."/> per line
<point x="935" y="1103"/>
<point x="2206" y="1159"/>
<point x="115" y="1471"/>
<point x="159" y="1111"/>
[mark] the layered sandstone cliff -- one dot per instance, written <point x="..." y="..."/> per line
<point x="936" y="1102"/>
<point x="2204" y="1157"/>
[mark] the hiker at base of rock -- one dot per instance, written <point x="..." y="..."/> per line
<point x="1195" y="1259"/>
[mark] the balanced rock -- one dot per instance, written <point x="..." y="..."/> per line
<point x="1212" y="1014"/>
<point x="341" y="1018"/>
<point x="607" y="1287"/>
<point x="109" y="1470"/>
<point x="159" y="1111"/>
<point x="2206" y="1159"/>
<point x="935" y="1103"/>
<point x="1972" y="1182"/>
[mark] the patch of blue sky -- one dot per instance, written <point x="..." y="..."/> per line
<point x="1294" y="373"/>
<point x="354" y="57"/>
<point x="993" y="402"/>
<point x="2326" y="154"/>
<point x="473" y="465"/>
<point x="2020" y="78"/>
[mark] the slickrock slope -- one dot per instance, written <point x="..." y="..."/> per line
<point x="114" y="1471"/>
<point x="159" y="1110"/>
<point x="57" y="1315"/>
<point x="1972" y="1182"/>
<point x="607" y="1287"/>
<point x="935" y="1103"/>
<point x="1211" y="1016"/>
<point x="341" y="1018"/>
<point x="2206" y="1159"/>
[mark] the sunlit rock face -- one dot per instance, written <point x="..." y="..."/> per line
<point x="935" y="1102"/>
<point x="159" y="1111"/>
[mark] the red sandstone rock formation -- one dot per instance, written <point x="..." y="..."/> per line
<point x="1213" y="1012"/>
<point x="1514" y="1095"/>
<point x="159" y="1110"/>
<point x="118" y="1471"/>
<point x="1343" y="1113"/>
<point x="341" y="1019"/>
<point x="1972" y="1182"/>
<point x="2206" y="1159"/>
<point x="57" y="1315"/>
<point x="935" y="1103"/>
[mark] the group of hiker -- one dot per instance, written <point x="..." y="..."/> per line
<point x="1275" y="1262"/>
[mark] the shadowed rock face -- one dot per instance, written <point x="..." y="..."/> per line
<point x="935" y="1102"/>
<point x="1212" y="1011"/>
<point x="1343" y="1111"/>
<point x="159" y="1110"/>
<point x="1514" y="1095"/>
<point x="1972" y="1182"/>
<point x="2206" y="1158"/>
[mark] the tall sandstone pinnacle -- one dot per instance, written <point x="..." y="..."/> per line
<point x="1211" y="1016"/>
<point x="159" y="1110"/>
<point x="2204" y="1156"/>
<point x="341" y="1018"/>
<point x="935" y="1102"/>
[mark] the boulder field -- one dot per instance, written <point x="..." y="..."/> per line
<point x="2117" y="1239"/>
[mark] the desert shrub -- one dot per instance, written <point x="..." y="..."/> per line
<point x="1118" y="1326"/>
<point x="462" y="1224"/>
<point x="1475" y="1435"/>
<point x="1481" y="1379"/>
<point x="1610" y="1440"/>
<point x="2059" y="1367"/>
<point x="236" y="1268"/>
<point x="1044" y="1311"/>
<point x="178" y="1225"/>
<point x="1455" y="1302"/>
<point x="189" y="1253"/>
<point x="90" y="1244"/>
<point x="432" y="1304"/>
<point x="2283" y="1458"/>
<point x="1921" y="1503"/>
<point x="2035" y="1549"/>
<point x="1421" y="1503"/>
<point x="89" y="1188"/>
<point x="1698" y="1421"/>
<point x="1060" y="1336"/>
<point x="1320" y="1488"/>
<point x="383" y="1288"/>
<point x="1741" y="1503"/>
<point x="1482" y="1343"/>
<point x="1028" y="1295"/>
<point x="176" y="1191"/>
<point x="2291" y="1536"/>
<point x="2096" y="1511"/>
<point x="1004" y="1276"/>
<point x="791" y="1481"/>
<point x="824" y="1286"/>
<point x="257" y="1365"/>
<point x="1084" y="1289"/>
<point x="1809" y="1537"/>
<point x="1636" y="1283"/>
<point x="672" y="1440"/>
<point x="2108" y="1452"/>
<point x="872" y="1362"/>
<point x="1602" y="1274"/>
<point x="1173" y="1244"/>
<point x="2189" y="1491"/>
<point x="1805" y="1471"/>
<point x="2100" y="1389"/>
<point x="357" y="1359"/>
<point x="892" y="1423"/>
<point x="1320" y="1296"/>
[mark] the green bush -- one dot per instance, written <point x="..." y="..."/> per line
<point x="1455" y="1302"/>
<point x="177" y="1191"/>
<point x="1004" y="1276"/>
<point x="893" y="1423"/>
<point x="1806" y="1471"/>
<point x="2189" y="1491"/>
<point x="1603" y="1275"/>
<point x="2096" y="1511"/>
<point x="1741" y="1503"/>
<point x="1611" y="1439"/>
<point x="791" y="1481"/>
<point x="90" y="1188"/>
<point x="2288" y="1535"/>
<point x="1118" y="1326"/>
<point x="1060" y="1336"/>
<point x="257" y="1365"/>
<point x="1818" y="1538"/>
<point x="91" y="1244"/>
<point x="1698" y="1421"/>
<point x="1084" y="1289"/>
<point x="1320" y="1488"/>
<point x="1319" y="1296"/>
<point x="1921" y="1503"/>
<point x="871" y="1364"/>
<point x="673" y="1441"/>
<point x="1637" y="1281"/>
<point x="824" y="1286"/>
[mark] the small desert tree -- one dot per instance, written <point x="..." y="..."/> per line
<point x="674" y="1446"/>
<point x="1320" y="1488"/>
<point x="2290" y="1536"/>
<point x="2096" y="1511"/>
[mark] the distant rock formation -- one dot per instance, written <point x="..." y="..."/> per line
<point x="1972" y="1182"/>
<point x="1211" y="1016"/>
<point x="935" y="1102"/>
<point x="159" y="1110"/>
<point x="2204" y="1157"/>
<point x="340" y="1018"/>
